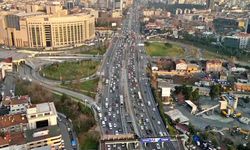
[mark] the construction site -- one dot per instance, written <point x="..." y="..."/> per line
<point x="225" y="116"/>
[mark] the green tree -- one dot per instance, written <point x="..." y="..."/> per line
<point x="195" y="95"/>
<point x="215" y="90"/>
<point x="63" y="97"/>
<point x="187" y="91"/>
<point x="246" y="100"/>
<point x="191" y="129"/>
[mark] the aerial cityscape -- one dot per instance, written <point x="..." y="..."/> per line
<point x="125" y="75"/>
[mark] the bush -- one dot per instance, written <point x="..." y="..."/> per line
<point x="246" y="100"/>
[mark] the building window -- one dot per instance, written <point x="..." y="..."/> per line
<point x="32" y="116"/>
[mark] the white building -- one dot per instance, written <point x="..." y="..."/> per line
<point x="36" y="129"/>
<point x="5" y="66"/>
<point x="166" y="92"/>
<point x="244" y="40"/>
<point x="17" y="105"/>
<point x="40" y="115"/>
<point x="181" y="65"/>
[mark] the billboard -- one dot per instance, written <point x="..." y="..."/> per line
<point x="155" y="140"/>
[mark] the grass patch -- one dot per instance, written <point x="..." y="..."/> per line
<point x="164" y="49"/>
<point x="70" y="70"/>
<point x="88" y="87"/>
<point x="95" y="51"/>
<point x="211" y="55"/>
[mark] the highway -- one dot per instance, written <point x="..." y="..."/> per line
<point x="126" y="101"/>
<point x="126" y="91"/>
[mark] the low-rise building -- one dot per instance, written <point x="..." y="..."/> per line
<point x="176" y="114"/>
<point x="13" y="123"/>
<point x="34" y="129"/>
<point x="17" y="104"/>
<point x="181" y="65"/>
<point x="47" y="137"/>
<point x="193" y="68"/>
<point x="5" y="66"/>
<point x="213" y="66"/>
<point x="166" y="94"/>
<point x="242" y="87"/>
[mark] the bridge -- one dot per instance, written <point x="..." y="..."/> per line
<point x="133" y="139"/>
<point x="208" y="109"/>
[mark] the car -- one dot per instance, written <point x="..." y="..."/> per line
<point x="159" y="122"/>
<point x="158" y="146"/>
<point x="116" y="132"/>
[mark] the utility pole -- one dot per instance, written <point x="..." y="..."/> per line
<point x="7" y="37"/>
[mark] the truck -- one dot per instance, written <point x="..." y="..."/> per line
<point x="141" y="44"/>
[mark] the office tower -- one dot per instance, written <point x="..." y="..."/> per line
<point x="210" y="4"/>
<point x="248" y="26"/>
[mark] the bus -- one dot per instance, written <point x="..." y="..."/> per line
<point x="121" y="99"/>
<point x="139" y="94"/>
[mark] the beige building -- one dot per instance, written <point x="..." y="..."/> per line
<point x="35" y="129"/>
<point x="213" y="66"/>
<point x="5" y="66"/>
<point x="39" y="30"/>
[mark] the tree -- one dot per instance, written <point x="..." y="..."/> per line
<point x="215" y="90"/>
<point x="195" y="95"/>
<point x="246" y="100"/>
<point x="63" y="97"/>
<point x="191" y="129"/>
<point x="187" y="91"/>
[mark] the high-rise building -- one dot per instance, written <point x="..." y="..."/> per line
<point x="38" y="30"/>
<point x="248" y="26"/>
<point x="210" y="4"/>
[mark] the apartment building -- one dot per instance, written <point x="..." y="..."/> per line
<point x="17" y="104"/>
<point x="213" y="66"/>
<point x="181" y="65"/>
<point x="34" y="129"/>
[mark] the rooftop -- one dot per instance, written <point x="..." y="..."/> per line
<point x="214" y="61"/>
<point x="16" y="100"/>
<point x="42" y="108"/>
<point x="42" y="133"/>
<point x="180" y="61"/>
<point x="175" y="114"/>
<point x="11" y="120"/>
<point x="6" y="60"/>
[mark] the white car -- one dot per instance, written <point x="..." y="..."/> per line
<point x="158" y="146"/>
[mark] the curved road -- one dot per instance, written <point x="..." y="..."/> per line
<point x="27" y="72"/>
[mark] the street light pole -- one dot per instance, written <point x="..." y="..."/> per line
<point x="7" y="37"/>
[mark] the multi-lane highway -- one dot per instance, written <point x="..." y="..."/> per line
<point x="126" y="101"/>
<point x="126" y="92"/>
